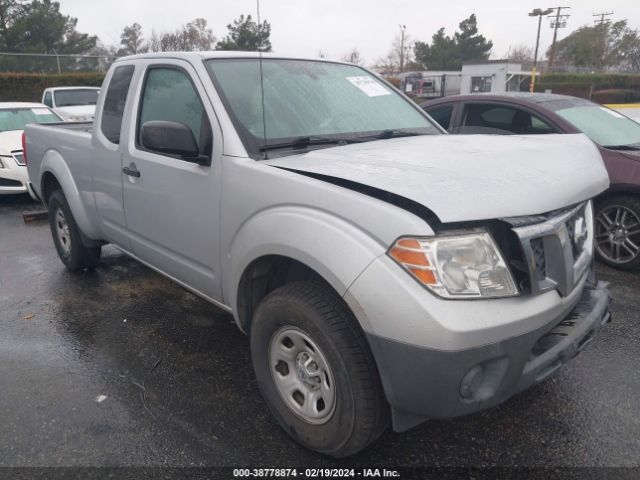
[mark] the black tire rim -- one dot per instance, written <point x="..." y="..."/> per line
<point x="618" y="234"/>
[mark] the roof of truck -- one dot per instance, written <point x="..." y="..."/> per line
<point x="80" y="87"/>
<point x="220" y="54"/>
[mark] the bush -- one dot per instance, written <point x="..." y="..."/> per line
<point x="28" y="87"/>
<point x="587" y="85"/>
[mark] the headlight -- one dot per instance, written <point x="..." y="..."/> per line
<point x="468" y="265"/>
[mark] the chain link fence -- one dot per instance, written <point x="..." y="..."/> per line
<point x="53" y="63"/>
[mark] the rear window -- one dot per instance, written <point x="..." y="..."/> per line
<point x="17" y="118"/>
<point x="115" y="101"/>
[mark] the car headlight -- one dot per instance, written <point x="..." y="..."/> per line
<point x="467" y="265"/>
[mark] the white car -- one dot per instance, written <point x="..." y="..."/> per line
<point x="73" y="104"/>
<point x="14" y="177"/>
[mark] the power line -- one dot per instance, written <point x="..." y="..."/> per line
<point x="602" y="17"/>
<point x="560" y="21"/>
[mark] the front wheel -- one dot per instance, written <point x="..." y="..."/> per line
<point x="315" y="369"/>
<point x="67" y="238"/>
<point x="618" y="232"/>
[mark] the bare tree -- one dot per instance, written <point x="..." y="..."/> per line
<point x="193" y="36"/>
<point x="390" y="64"/>
<point x="521" y="54"/>
<point x="354" y="57"/>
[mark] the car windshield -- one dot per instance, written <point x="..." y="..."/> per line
<point x="310" y="103"/>
<point x="17" y="118"/>
<point x="604" y="126"/>
<point x="75" y="97"/>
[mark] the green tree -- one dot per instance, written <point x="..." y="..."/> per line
<point x="10" y="11"/>
<point x="449" y="53"/>
<point x="472" y="45"/>
<point x="131" y="40"/>
<point x="442" y="54"/>
<point x="42" y="28"/>
<point x="600" y="47"/>
<point x="247" y="35"/>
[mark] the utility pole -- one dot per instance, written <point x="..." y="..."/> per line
<point x="402" y="29"/>
<point x="537" y="13"/>
<point x="603" y="23"/>
<point x="560" y="21"/>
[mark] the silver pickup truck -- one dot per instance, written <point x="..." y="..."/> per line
<point x="384" y="270"/>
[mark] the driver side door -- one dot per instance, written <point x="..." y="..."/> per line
<point x="172" y="203"/>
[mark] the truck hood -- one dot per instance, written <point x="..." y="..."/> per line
<point x="10" y="141"/>
<point x="465" y="178"/>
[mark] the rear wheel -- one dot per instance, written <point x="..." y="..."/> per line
<point x="66" y="236"/>
<point x="315" y="369"/>
<point x="618" y="232"/>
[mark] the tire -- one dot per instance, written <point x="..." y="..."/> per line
<point x="313" y="312"/>
<point x="67" y="238"/>
<point x="618" y="232"/>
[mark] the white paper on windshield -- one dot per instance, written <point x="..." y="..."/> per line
<point x="40" y="111"/>
<point x="369" y="86"/>
<point x="612" y="112"/>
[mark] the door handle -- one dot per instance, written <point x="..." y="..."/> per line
<point x="131" y="171"/>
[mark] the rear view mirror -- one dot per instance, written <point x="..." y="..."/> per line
<point x="173" y="138"/>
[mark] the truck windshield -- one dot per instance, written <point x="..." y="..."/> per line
<point x="17" y="118"/>
<point x="75" y="97"/>
<point x="310" y="104"/>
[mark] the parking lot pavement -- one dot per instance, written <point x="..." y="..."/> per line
<point x="122" y="367"/>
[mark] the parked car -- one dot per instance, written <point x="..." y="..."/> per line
<point x="74" y="104"/>
<point x="617" y="138"/>
<point x="14" y="178"/>
<point x="379" y="266"/>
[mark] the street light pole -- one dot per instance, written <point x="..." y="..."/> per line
<point x="537" y="13"/>
<point x="402" y="29"/>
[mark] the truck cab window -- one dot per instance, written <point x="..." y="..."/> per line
<point x="169" y="95"/>
<point x="48" y="101"/>
<point x="115" y="101"/>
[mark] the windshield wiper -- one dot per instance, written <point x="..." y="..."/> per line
<point x="307" y="141"/>
<point x="631" y="146"/>
<point x="392" y="133"/>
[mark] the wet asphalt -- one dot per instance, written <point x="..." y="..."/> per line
<point x="121" y="367"/>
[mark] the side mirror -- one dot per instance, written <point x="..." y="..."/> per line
<point x="173" y="138"/>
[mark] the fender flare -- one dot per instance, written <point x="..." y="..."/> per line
<point x="309" y="236"/>
<point x="54" y="164"/>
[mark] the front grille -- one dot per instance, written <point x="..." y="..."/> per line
<point x="539" y="258"/>
<point x="558" y="248"/>
<point x="5" y="182"/>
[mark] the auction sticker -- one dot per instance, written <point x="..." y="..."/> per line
<point x="369" y="86"/>
<point x="40" y="111"/>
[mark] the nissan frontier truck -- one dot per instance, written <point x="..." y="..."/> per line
<point x="385" y="271"/>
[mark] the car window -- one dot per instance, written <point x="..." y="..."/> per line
<point x="115" y="101"/>
<point x="506" y="118"/>
<point x="442" y="115"/>
<point x="169" y="95"/>
<point x="48" y="99"/>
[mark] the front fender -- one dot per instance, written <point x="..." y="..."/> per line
<point x="332" y="246"/>
<point x="54" y="163"/>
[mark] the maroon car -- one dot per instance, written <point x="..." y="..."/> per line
<point x="617" y="138"/>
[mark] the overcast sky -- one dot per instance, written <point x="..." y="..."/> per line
<point x="303" y="27"/>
